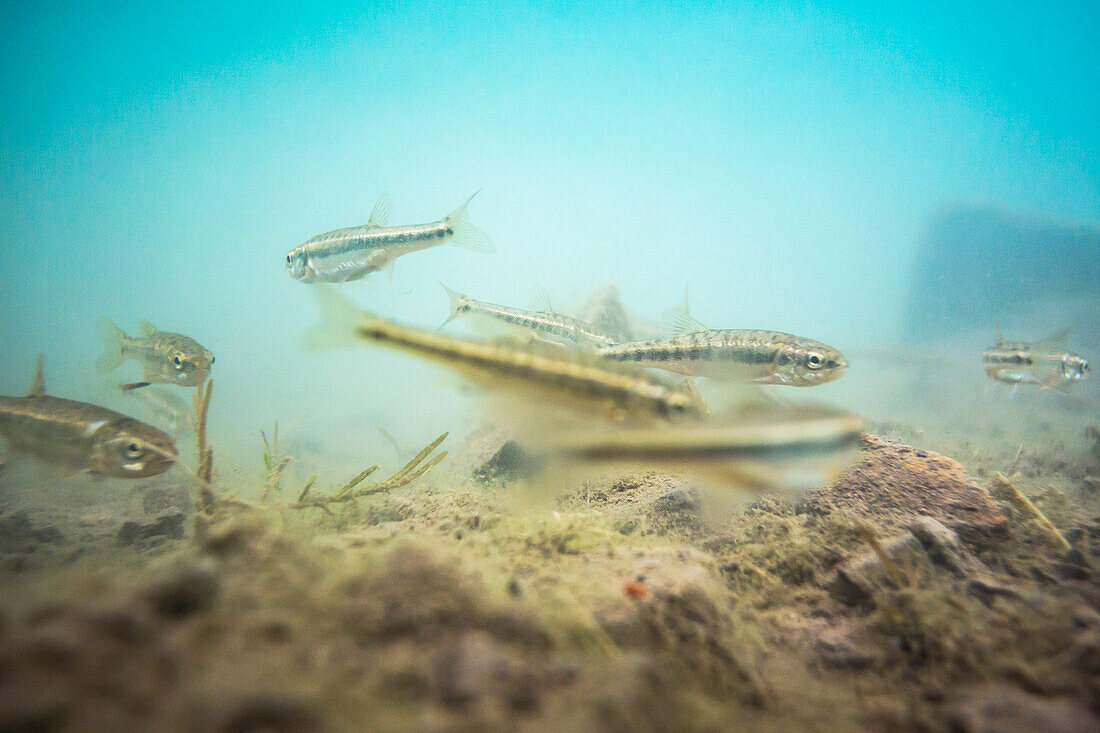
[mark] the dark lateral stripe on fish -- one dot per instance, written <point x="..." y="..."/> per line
<point x="799" y="448"/>
<point x="790" y="450"/>
<point x="1001" y="358"/>
<point x="816" y="435"/>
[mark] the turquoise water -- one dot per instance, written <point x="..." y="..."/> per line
<point x="788" y="163"/>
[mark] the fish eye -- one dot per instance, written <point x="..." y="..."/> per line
<point x="211" y="358"/>
<point x="176" y="360"/>
<point x="289" y="259"/>
<point x="814" y="361"/>
<point x="133" y="451"/>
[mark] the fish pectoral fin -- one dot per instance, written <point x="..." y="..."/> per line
<point x="146" y="328"/>
<point x="380" y="214"/>
<point x="1049" y="370"/>
<point x="133" y="386"/>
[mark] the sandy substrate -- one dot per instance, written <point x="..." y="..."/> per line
<point x="905" y="596"/>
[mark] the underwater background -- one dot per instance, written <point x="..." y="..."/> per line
<point x="897" y="181"/>
<point x="855" y="173"/>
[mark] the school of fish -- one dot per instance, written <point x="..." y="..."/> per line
<point x="611" y="402"/>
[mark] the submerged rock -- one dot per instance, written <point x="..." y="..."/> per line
<point x="895" y="485"/>
<point x="18" y="534"/>
<point x="510" y="462"/>
<point x="156" y="500"/>
<point x="186" y="591"/>
<point x="857" y="581"/>
<point x="1004" y="709"/>
<point x="943" y="547"/>
<point x="926" y="541"/>
<point x="168" y="524"/>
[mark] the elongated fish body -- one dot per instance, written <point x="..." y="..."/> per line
<point x="81" y="437"/>
<point x="546" y="324"/>
<point x="165" y="357"/>
<point x="538" y="372"/>
<point x="354" y="252"/>
<point x="1046" y="362"/>
<point x="790" y="448"/>
<point x="740" y="355"/>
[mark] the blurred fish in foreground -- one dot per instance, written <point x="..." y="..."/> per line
<point x="544" y="323"/>
<point x="166" y="357"/>
<point x="737" y="355"/>
<point x="76" y="437"/>
<point x="545" y="375"/>
<point x="753" y="447"/>
<point x="1047" y="363"/>
<point x="354" y="252"/>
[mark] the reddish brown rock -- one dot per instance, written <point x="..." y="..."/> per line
<point x="892" y="484"/>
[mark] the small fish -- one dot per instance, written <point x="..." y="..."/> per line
<point x="739" y="355"/>
<point x="544" y="323"/>
<point x="354" y="252"/>
<point x="1047" y="363"/>
<point x="77" y="437"/>
<point x="162" y="407"/>
<point x="166" y="357"/>
<point x="544" y="374"/>
<point x="759" y="448"/>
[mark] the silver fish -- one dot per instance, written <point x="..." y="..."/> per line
<point x="740" y="355"/>
<point x="354" y="252"/>
<point x="545" y="375"/>
<point x="1046" y="362"/>
<point x="165" y="357"/>
<point x="544" y="323"/>
<point x="80" y="437"/>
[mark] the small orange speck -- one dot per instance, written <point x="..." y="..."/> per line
<point x="634" y="589"/>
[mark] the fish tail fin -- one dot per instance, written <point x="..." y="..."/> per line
<point x="113" y="338"/>
<point x="466" y="235"/>
<point x="339" y="318"/>
<point x="457" y="300"/>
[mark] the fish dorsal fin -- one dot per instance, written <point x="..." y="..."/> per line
<point x="380" y="214"/>
<point x="146" y="328"/>
<point x="678" y="321"/>
<point x="540" y="300"/>
<point x="38" y="381"/>
<point x="998" y="337"/>
<point x="1056" y="343"/>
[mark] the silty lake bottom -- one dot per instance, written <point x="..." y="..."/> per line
<point x="916" y="591"/>
<point x="357" y="539"/>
